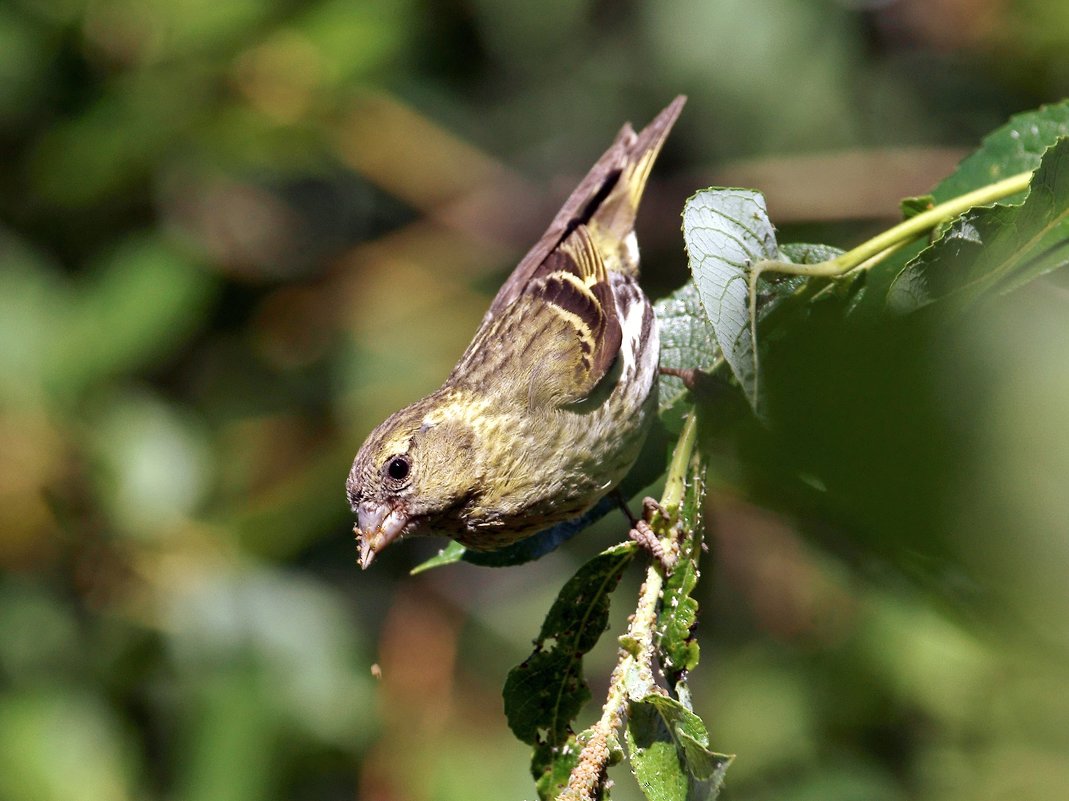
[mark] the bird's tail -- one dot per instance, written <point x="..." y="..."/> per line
<point x="606" y="201"/>
<point x="615" y="216"/>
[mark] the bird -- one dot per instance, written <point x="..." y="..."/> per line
<point x="547" y="409"/>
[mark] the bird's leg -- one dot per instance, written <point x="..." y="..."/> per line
<point x="642" y="533"/>
<point x="621" y="501"/>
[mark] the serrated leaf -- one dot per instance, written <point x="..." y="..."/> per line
<point x="687" y="342"/>
<point x="668" y="749"/>
<point x="727" y="231"/>
<point x="1017" y="146"/>
<point x="679" y="614"/>
<point x="994" y="248"/>
<point x="544" y="694"/>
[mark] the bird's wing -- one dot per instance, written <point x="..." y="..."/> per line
<point x="608" y="196"/>
<point x="555" y="342"/>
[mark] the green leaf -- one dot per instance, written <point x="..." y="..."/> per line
<point x="808" y="253"/>
<point x="544" y="694"/>
<point x="561" y="761"/>
<point x="994" y="248"/>
<point x="668" y="749"/>
<point x="687" y="342"/>
<point x="726" y="232"/>
<point x="1015" y="147"/>
<point x="450" y="554"/>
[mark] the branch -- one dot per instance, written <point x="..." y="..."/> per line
<point x="632" y="678"/>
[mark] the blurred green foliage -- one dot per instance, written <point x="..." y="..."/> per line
<point x="235" y="235"/>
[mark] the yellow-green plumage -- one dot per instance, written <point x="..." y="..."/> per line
<point x="547" y="409"/>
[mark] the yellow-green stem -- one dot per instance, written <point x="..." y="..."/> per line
<point x="868" y="253"/>
<point x="675" y="484"/>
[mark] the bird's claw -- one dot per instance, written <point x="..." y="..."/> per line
<point x="643" y="534"/>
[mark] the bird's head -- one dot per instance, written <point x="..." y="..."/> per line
<point x="415" y="471"/>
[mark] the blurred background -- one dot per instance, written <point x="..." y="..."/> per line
<point x="235" y="235"/>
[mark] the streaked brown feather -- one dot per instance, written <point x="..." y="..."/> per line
<point x="534" y="424"/>
<point x="563" y="327"/>
<point x="585" y="241"/>
<point x="591" y="300"/>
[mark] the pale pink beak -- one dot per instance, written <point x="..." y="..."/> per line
<point x="377" y="526"/>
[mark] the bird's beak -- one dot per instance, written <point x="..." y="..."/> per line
<point x="377" y="526"/>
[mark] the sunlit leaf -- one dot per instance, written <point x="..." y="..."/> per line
<point x="1014" y="147"/>
<point x="726" y="232"/>
<point x="995" y="248"/>
<point x="668" y="749"/>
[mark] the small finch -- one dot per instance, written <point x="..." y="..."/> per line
<point x="548" y="408"/>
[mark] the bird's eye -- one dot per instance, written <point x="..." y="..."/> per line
<point x="398" y="468"/>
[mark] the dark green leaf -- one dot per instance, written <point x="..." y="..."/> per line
<point x="668" y="748"/>
<point x="995" y="248"/>
<point x="726" y="232"/>
<point x="544" y="694"/>
<point x="581" y="612"/>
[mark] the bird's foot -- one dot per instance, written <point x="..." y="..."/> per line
<point x="643" y="534"/>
